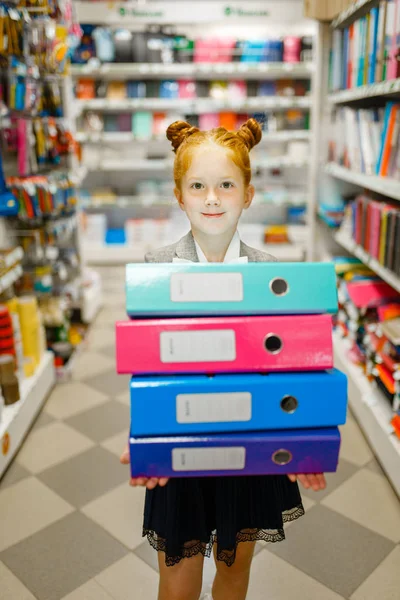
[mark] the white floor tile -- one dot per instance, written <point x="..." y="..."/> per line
<point x="130" y="578"/>
<point x="51" y="445"/>
<point x="120" y="512"/>
<point x="384" y="582"/>
<point x="26" y="508"/>
<point x="71" y="398"/>
<point x="11" y="587"/>
<point x="368" y="499"/>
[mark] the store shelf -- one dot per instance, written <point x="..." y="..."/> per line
<point x="122" y="137"/>
<point x="196" y="105"/>
<point x="351" y="246"/>
<point x="17" y="418"/>
<point x="372" y="411"/>
<point x="231" y="70"/>
<point x="10" y="277"/>
<point x="354" y="11"/>
<point x="277" y="162"/>
<point x="375" y="90"/>
<point x="382" y="185"/>
<point x="102" y="254"/>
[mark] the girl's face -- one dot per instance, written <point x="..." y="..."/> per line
<point x="213" y="193"/>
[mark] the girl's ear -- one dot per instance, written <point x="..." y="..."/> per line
<point x="178" y="196"/>
<point x="249" y="195"/>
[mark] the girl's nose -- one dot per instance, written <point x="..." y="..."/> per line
<point x="212" y="199"/>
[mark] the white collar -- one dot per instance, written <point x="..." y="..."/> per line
<point x="232" y="254"/>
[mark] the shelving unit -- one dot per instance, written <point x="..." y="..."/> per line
<point x="369" y="405"/>
<point x="372" y="412"/>
<point x="101" y="254"/>
<point x="123" y="161"/>
<point x="17" y="419"/>
<point x="350" y="245"/>
<point x="374" y="90"/>
<point x="382" y="185"/>
<point x="195" y="106"/>
<point x="120" y="137"/>
<point x="198" y="71"/>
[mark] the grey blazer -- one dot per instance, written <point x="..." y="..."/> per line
<point x="186" y="248"/>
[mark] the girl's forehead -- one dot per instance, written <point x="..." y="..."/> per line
<point x="211" y="156"/>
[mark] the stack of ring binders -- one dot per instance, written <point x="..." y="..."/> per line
<point x="232" y="369"/>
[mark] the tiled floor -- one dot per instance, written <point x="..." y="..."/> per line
<point x="71" y="525"/>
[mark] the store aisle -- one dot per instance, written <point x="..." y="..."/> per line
<point x="71" y="525"/>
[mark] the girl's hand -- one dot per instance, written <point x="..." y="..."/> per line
<point x="315" y="481"/>
<point x="150" y="483"/>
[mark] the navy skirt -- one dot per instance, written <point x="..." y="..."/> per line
<point x="189" y="515"/>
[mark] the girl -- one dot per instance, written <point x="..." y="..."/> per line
<point x="186" y="518"/>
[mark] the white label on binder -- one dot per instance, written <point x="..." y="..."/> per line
<point x="197" y="346"/>
<point x="213" y="408"/>
<point x="208" y="459"/>
<point x="206" y="287"/>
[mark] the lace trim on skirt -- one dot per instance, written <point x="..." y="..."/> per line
<point x="194" y="547"/>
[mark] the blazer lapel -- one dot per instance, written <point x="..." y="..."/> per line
<point x="245" y="250"/>
<point x="186" y="248"/>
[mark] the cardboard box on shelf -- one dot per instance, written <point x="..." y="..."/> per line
<point x="324" y="10"/>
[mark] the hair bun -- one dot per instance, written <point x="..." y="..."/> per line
<point x="250" y="133"/>
<point x="178" y="131"/>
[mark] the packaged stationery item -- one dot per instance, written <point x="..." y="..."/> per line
<point x="225" y="344"/>
<point x="194" y="404"/>
<point x="201" y="289"/>
<point x="261" y="453"/>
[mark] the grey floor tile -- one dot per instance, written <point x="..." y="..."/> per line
<point x="146" y="553"/>
<point x="108" y="351"/>
<point x="374" y="466"/>
<point x="333" y="480"/>
<point x="102" y="422"/>
<point x="86" y="476"/>
<point x="332" y="549"/>
<point x="14" y="473"/>
<point x="43" y="419"/>
<point x="62" y="557"/>
<point x="109" y="383"/>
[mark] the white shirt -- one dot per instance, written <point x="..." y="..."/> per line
<point x="232" y="254"/>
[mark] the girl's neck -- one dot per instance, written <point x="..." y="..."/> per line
<point x="214" y="247"/>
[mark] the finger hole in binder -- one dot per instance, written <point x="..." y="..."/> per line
<point x="273" y="343"/>
<point x="289" y="404"/>
<point x="279" y="286"/>
<point x="282" y="457"/>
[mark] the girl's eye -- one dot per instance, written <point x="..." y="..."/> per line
<point x="227" y="185"/>
<point x="197" y="185"/>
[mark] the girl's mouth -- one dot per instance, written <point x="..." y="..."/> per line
<point x="212" y="215"/>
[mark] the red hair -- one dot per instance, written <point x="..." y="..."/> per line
<point x="185" y="138"/>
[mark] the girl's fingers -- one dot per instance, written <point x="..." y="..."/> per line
<point x="314" y="483"/>
<point x="163" y="481"/>
<point x="292" y="478"/>
<point x="151" y="483"/>
<point x="321" y="481"/>
<point x="304" y="481"/>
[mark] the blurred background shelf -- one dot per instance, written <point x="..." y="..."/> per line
<point x="199" y="71"/>
<point x="17" y="418"/>
<point x="373" y="413"/>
